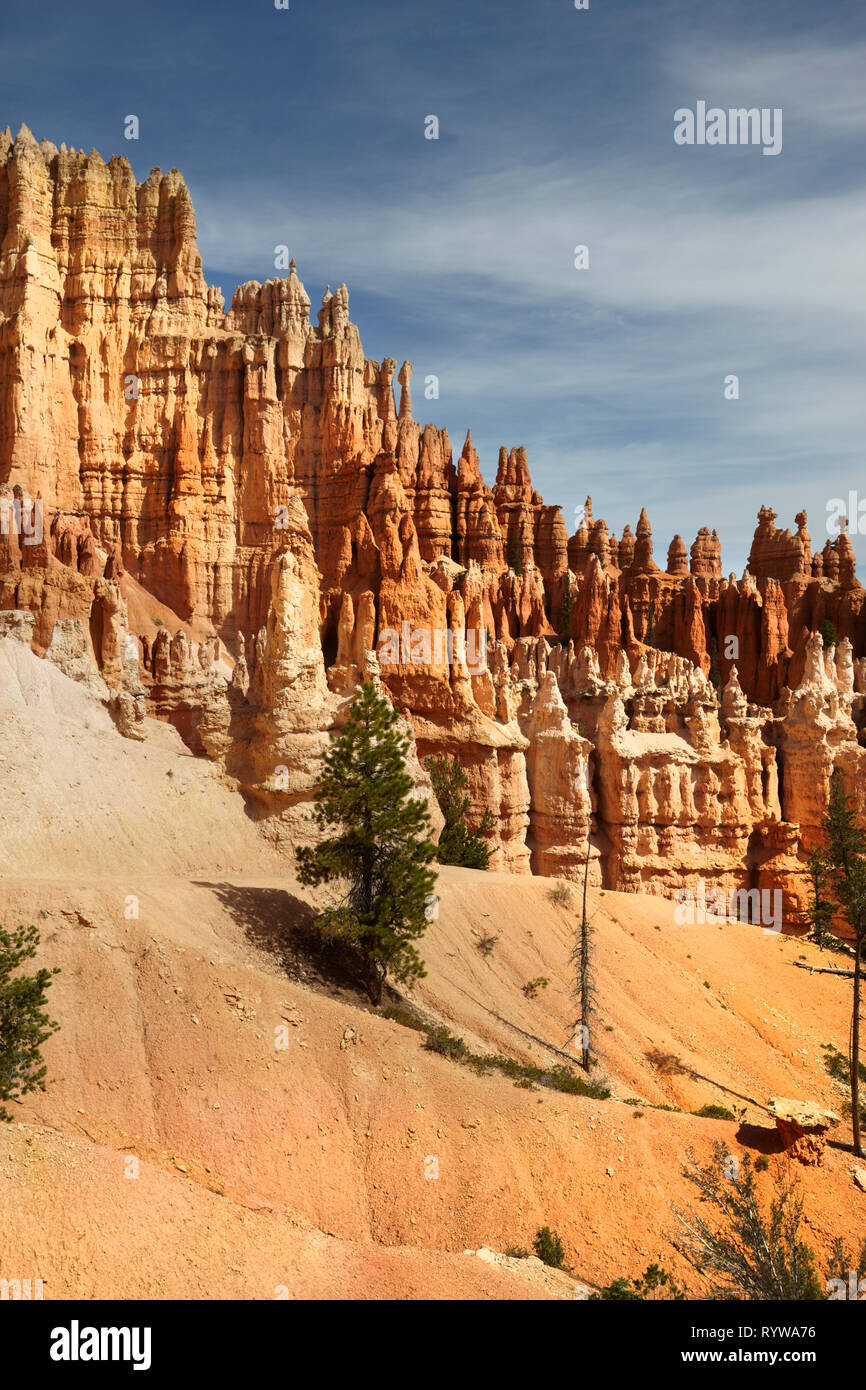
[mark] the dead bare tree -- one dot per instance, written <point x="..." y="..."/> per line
<point x="585" y="979"/>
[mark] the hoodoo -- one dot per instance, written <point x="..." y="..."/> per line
<point x="236" y="512"/>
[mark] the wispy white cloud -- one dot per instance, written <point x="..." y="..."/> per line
<point x="612" y="377"/>
<point x="653" y="247"/>
<point x="819" y="85"/>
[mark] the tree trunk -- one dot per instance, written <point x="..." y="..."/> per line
<point x="584" y="968"/>
<point x="372" y="983"/>
<point x="855" y="1048"/>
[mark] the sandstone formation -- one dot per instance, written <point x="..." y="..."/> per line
<point x="228" y="518"/>
<point x="803" y="1128"/>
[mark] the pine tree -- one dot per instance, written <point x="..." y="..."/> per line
<point x="24" y="1024"/>
<point x="846" y="857"/>
<point x="829" y="634"/>
<point x="458" y="844"/>
<point x="819" y="913"/>
<point x="382" y="848"/>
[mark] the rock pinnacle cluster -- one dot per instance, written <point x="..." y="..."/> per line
<point x="237" y="510"/>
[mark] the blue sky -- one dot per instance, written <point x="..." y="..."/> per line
<point x="305" y="127"/>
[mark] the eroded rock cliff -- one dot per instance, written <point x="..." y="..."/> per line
<point x="229" y="518"/>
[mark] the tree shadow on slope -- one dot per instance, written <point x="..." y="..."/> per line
<point x="283" y="925"/>
<point x="763" y="1139"/>
<point x="669" y="1064"/>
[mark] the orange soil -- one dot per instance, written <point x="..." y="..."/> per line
<point x="306" y="1172"/>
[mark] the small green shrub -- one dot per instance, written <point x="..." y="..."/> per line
<point x="440" y="1040"/>
<point x="838" y="1066"/>
<point x="563" y="1079"/>
<point x="531" y="988"/>
<point x="650" y="1105"/>
<point x="714" y="1112"/>
<point x="549" y="1248"/>
<point x="404" y="1018"/>
<point x="557" y="1078"/>
<point x="649" y="1286"/>
<point x="560" y="896"/>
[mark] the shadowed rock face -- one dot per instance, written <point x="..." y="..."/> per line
<point x="252" y="472"/>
